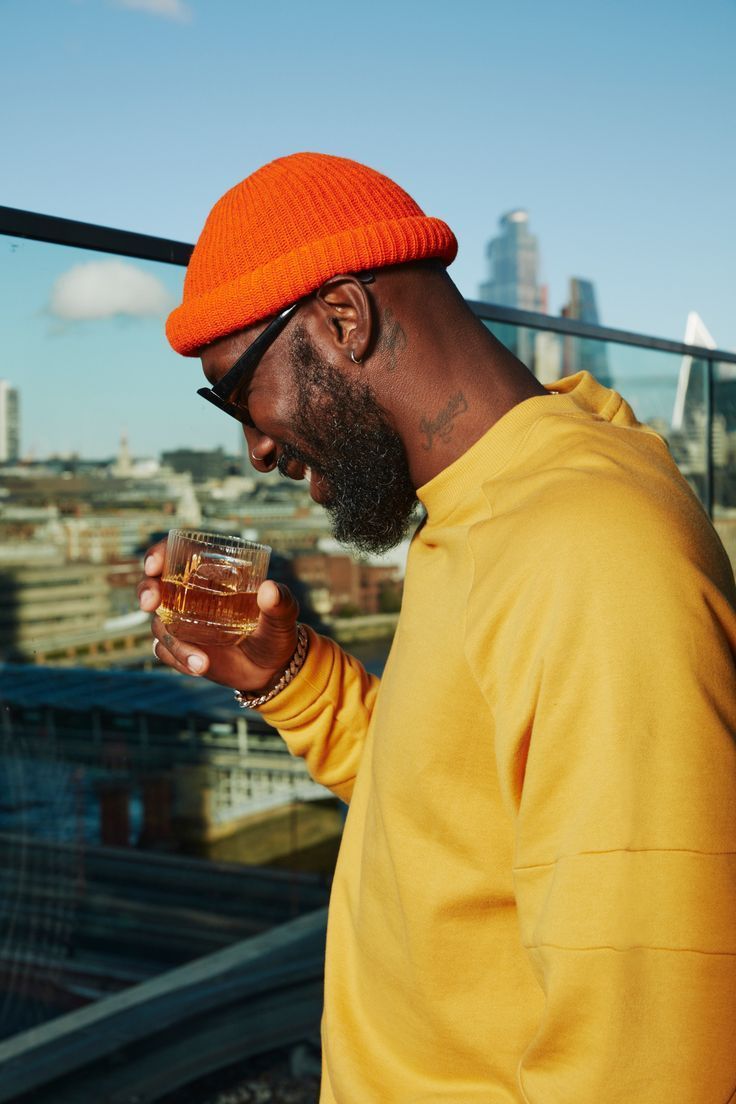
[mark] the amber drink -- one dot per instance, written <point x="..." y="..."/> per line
<point x="209" y="585"/>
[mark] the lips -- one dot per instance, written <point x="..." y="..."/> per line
<point x="293" y="469"/>
<point x="298" y="469"/>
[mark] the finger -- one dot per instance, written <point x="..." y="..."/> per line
<point x="153" y="561"/>
<point x="164" y="656"/>
<point x="178" y="653"/>
<point x="148" y="590"/>
<point x="149" y="595"/>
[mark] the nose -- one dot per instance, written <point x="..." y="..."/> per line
<point x="263" y="452"/>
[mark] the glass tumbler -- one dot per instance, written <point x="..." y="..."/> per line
<point x="209" y="585"/>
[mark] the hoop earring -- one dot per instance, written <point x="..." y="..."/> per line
<point x="353" y="357"/>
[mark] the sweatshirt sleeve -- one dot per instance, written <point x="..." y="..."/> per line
<point x="324" y="714"/>
<point x="614" y="700"/>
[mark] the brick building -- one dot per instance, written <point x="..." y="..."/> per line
<point x="339" y="584"/>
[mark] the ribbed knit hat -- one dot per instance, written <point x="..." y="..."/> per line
<point x="287" y="228"/>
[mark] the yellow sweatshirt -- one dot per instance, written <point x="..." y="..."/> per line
<point x="535" y="898"/>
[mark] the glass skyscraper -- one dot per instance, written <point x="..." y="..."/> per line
<point x="513" y="279"/>
<point x="9" y="424"/>
<point x="513" y="260"/>
<point x="582" y="354"/>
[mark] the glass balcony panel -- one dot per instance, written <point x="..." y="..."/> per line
<point x="146" y="821"/>
<point x="724" y="455"/>
<point x="666" y="391"/>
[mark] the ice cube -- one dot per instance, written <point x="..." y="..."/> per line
<point x="222" y="575"/>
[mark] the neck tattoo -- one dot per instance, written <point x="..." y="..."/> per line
<point x="443" y="425"/>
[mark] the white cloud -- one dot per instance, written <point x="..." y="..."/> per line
<point x="103" y="289"/>
<point x="169" y="9"/>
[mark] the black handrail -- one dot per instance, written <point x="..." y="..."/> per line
<point x="572" y="327"/>
<point x="85" y="235"/>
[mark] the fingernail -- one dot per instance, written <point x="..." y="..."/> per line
<point x="195" y="663"/>
<point x="149" y="564"/>
<point x="277" y="599"/>
<point x="146" y="596"/>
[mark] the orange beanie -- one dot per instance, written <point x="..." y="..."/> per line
<point x="287" y="228"/>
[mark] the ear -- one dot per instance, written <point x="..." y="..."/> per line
<point x="345" y="316"/>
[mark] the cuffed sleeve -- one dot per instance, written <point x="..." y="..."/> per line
<point x="324" y="714"/>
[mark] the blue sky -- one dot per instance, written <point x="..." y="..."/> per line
<point x="612" y="124"/>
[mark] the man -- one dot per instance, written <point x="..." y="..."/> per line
<point x="535" y="895"/>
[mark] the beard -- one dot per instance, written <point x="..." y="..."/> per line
<point x="347" y="439"/>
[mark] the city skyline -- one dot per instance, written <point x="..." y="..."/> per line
<point x="85" y="344"/>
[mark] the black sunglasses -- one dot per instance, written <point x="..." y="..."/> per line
<point x="239" y="377"/>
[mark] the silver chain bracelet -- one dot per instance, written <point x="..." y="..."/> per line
<point x="295" y="665"/>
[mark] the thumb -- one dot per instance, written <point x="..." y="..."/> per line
<point x="277" y="604"/>
<point x="273" y="642"/>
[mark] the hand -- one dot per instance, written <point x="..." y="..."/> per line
<point x="254" y="664"/>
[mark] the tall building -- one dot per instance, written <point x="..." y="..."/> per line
<point x="690" y="394"/>
<point x="583" y="354"/>
<point x="513" y="279"/>
<point x="9" y="423"/>
<point x="691" y="426"/>
<point x="123" y="466"/>
<point x="513" y="259"/>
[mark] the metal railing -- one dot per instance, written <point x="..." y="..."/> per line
<point x="85" y="235"/>
<point x="570" y="327"/>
